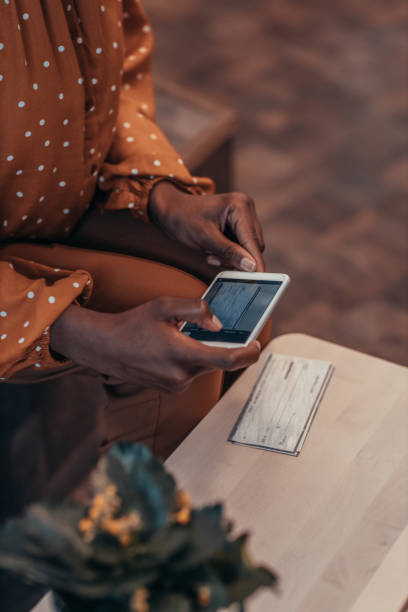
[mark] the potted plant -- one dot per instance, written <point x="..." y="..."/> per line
<point x="136" y="545"/>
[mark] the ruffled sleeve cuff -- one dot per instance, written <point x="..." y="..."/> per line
<point x="134" y="194"/>
<point x="37" y="296"/>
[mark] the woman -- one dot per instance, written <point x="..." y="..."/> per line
<point x="78" y="133"/>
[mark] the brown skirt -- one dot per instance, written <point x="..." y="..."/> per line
<point x="74" y="410"/>
<point x="64" y="417"/>
<point x="55" y="424"/>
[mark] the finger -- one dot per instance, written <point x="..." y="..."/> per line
<point x="214" y="358"/>
<point x="259" y="234"/>
<point x="230" y="253"/>
<point x="257" y="225"/>
<point x="213" y="261"/>
<point x="242" y="223"/>
<point x="196" y="311"/>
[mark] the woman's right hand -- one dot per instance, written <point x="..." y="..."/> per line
<point x="144" y="346"/>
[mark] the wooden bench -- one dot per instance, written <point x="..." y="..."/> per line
<point x="200" y="130"/>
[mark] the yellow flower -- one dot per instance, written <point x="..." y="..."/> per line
<point x="125" y="539"/>
<point x="138" y="603"/>
<point x="183" y="498"/>
<point x="98" y="501"/>
<point x="112" y="526"/>
<point x="204" y="595"/>
<point x="111" y="490"/>
<point x="95" y="512"/>
<point x="183" y="516"/>
<point x="85" y="524"/>
<point x="183" y="501"/>
<point x="101" y="516"/>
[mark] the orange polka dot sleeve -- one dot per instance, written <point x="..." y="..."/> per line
<point x="32" y="297"/>
<point x="76" y="92"/>
<point x="140" y="155"/>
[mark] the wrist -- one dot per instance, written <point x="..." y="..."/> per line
<point x="80" y="335"/>
<point x="162" y="194"/>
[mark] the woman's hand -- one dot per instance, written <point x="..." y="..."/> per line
<point x="144" y="345"/>
<point x="225" y="226"/>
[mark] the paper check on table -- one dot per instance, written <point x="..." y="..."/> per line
<point x="283" y="402"/>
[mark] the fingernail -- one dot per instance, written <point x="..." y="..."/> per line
<point x="247" y="264"/>
<point x="258" y="344"/>
<point x="213" y="261"/>
<point x="216" y="321"/>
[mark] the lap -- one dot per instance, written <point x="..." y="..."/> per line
<point x="120" y="281"/>
<point x="121" y="232"/>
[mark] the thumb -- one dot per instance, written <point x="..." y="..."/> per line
<point x="193" y="310"/>
<point x="229" y="252"/>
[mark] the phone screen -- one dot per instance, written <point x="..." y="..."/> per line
<point x="239" y="304"/>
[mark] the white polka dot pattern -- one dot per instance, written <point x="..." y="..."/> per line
<point x="50" y="164"/>
<point x="50" y="299"/>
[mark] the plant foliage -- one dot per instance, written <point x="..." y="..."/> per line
<point x="138" y="546"/>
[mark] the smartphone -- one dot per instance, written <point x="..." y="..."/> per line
<point x="243" y="302"/>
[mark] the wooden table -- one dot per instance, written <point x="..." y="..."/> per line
<point x="332" y="522"/>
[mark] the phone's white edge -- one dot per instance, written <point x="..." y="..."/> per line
<point x="258" y="328"/>
<point x="224" y="344"/>
<point x="252" y="276"/>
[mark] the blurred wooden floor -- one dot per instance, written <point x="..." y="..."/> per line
<point x="322" y="92"/>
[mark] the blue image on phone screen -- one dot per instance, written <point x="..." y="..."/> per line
<point x="239" y="304"/>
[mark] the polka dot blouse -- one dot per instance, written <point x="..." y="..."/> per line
<point x="77" y="109"/>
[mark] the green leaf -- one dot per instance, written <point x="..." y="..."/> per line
<point x="173" y="561"/>
<point x="45" y="544"/>
<point x="205" y="534"/>
<point x="240" y="576"/>
<point x="143" y="484"/>
<point x="174" y="602"/>
<point x="167" y="542"/>
<point x="66" y="602"/>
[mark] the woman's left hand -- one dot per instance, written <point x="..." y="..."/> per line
<point x="224" y="226"/>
